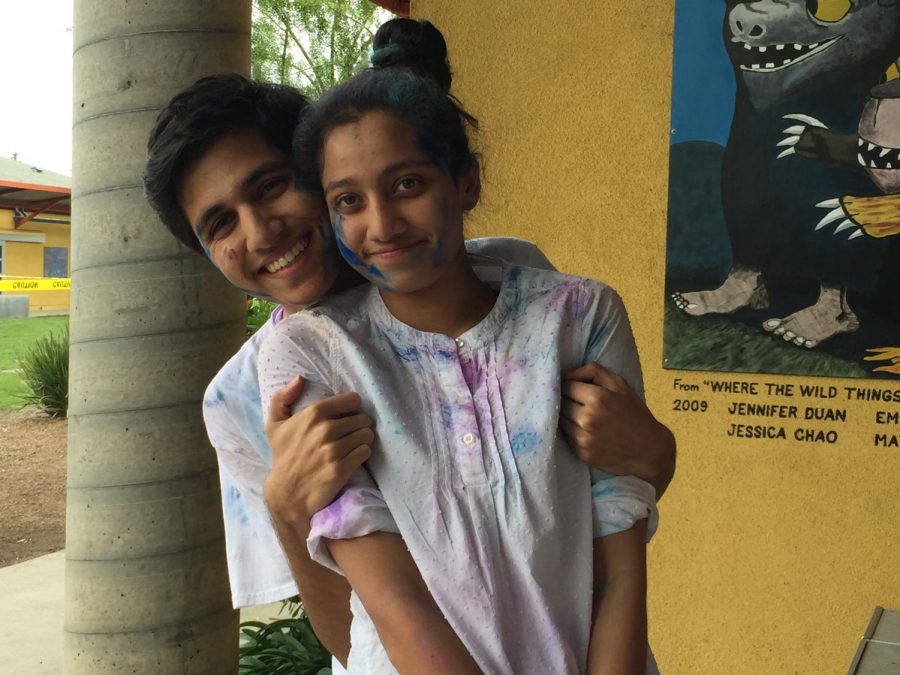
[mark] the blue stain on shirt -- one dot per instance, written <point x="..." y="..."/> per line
<point x="234" y="506"/>
<point x="408" y="353"/>
<point x="215" y="398"/>
<point x="525" y="440"/>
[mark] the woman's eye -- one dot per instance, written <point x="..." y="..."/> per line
<point x="346" y="201"/>
<point x="408" y="183"/>
<point x="829" y="11"/>
<point x="218" y="227"/>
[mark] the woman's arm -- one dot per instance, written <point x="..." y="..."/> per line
<point x="412" y="628"/>
<point x="619" y="631"/>
<point x="611" y="428"/>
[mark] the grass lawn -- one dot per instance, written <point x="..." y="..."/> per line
<point x="16" y="336"/>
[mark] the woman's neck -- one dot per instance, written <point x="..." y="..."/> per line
<point x="452" y="305"/>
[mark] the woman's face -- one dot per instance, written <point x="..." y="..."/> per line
<point x="397" y="216"/>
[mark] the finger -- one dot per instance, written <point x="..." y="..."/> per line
<point x="354" y="459"/>
<point x="283" y="399"/>
<point x="575" y="434"/>
<point x="344" y="426"/>
<point x="336" y="406"/>
<point x="570" y="410"/>
<point x="594" y="373"/>
<point x="583" y="393"/>
<point x="340" y="449"/>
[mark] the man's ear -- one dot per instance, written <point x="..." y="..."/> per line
<point x="469" y="185"/>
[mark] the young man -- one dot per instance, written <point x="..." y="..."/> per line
<point x="219" y="175"/>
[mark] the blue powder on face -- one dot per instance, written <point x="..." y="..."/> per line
<point x="370" y="271"/>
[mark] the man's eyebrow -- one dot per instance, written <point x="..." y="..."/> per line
<point x="246" y="184"/>
<point x="391" y="168"/>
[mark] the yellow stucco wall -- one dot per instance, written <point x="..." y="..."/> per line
<point x="26" y="259"/>
<point x="770" y="557"/>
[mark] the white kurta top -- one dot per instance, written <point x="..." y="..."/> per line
<point x="469" y="463"/>
<point x="257" y="567"/>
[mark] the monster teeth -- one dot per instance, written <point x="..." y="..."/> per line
<point x="883" y="152"/>
<point x="871" y="147"/>
<point x="779" y="47"/>
<point x="762" y="49"/>
<point x="798" y="47"/>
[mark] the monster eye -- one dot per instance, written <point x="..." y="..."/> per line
<point x="829" y="11"/>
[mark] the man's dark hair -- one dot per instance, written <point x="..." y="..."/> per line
<point x="198" y="117"/>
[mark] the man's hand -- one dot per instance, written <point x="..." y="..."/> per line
<point x="313" y="452"/>
<point x="610" y="427"/>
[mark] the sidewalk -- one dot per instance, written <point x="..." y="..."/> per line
<point x="31" y="607"/>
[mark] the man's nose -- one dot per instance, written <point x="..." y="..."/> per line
<point x="262" y="229"/>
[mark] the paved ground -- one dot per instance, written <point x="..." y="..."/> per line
<point x="31" y="607"/>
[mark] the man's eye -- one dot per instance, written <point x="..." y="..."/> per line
<point x="273" y="187"/>
<point x="218" y="227"/>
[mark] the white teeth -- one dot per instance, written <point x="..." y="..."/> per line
<point x="860" y="142"/>
<point x="770" y="65"/>
<point x="871" y="147"/>
<point x="798" y="47"/>
<point x="746" y="46"/>
<point x="287" y="258"/>
<point x="779" y="47"/>
<point x="883" y="152"/>
<point x="814" y="45"/>
<point x="860" y="159"/>
<point x="762" y="49"/>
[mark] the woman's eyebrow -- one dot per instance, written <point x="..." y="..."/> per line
<point x="389" y="169"/>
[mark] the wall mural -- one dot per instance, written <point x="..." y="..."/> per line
<point x="783" y="251"/>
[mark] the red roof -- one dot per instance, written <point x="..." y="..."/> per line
<point x="398" y="7"/>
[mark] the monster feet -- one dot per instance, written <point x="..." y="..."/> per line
<point x="830" y="316"/>
<point x="743" y="287"/>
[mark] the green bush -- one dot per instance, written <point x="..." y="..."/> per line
<point x="45" y="372"/>
<point x="258" y="312"/>
<point x="283" y="646"/>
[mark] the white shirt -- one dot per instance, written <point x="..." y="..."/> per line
<point x="257" y="567"/>
<point x="469" y="464"/>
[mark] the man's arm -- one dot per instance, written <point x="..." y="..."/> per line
<point x="412" y="628"/>
<point x="619" y="631"/>
<point x="313" y="454"/>
<point x="611" y="428"/>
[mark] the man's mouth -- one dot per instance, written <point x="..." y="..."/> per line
<point x="290" y="256"/>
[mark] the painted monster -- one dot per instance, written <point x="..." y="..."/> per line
<point x="819" y="58"/>
<point x="875" y="149"/>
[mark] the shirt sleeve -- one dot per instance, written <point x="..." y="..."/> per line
<point x="618" y="501"/>
<point x="511" y="250"/>
<point x="258" y="570"/>
<point x="301" y="346"/>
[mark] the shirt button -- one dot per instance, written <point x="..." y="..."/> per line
<point x="468" y="439"/>
<point x="460" y="343"/>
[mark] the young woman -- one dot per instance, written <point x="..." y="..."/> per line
<point x="475" y="541"/>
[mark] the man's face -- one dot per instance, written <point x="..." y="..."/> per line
<point x="267" y="238"/>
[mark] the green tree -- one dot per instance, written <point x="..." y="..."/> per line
<point x="311" y="44"/>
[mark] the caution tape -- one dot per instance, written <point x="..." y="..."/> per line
<point x="22" y="285"/>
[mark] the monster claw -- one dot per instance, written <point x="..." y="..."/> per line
<point x="785" y="153"/>
<point x="856" y="234"/>
<point x="795" y="130"/>
<point x="829" y="203"/>
<point x="806" y="119"/>
<point x="832" y="216"/>
<point x="846" y="225"/>
<point x="790" y="140"/>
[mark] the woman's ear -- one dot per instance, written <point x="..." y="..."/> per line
<point x="469" y="185"/>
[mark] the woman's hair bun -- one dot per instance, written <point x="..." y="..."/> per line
<point x="415" y="45"/>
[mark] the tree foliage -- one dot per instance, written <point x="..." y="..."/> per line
<point x="311" y="44"/>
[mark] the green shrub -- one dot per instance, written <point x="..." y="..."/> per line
<point x="258" y="312"/>
<point x="283" y="646"/>
<point x="45" y="372"/>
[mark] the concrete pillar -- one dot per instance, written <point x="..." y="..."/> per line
<point x="151" y="322"/>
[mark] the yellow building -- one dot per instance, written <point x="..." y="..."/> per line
<point x="35" y="237"/>
<point x="771" y="554"/>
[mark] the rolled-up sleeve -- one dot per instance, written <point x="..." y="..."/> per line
<point x="621" y="501"/>
<point x="359" y="510"/>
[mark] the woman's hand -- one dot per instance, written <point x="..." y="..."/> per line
<point x="611" y="428"/>
<point x="313" y="452"/>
